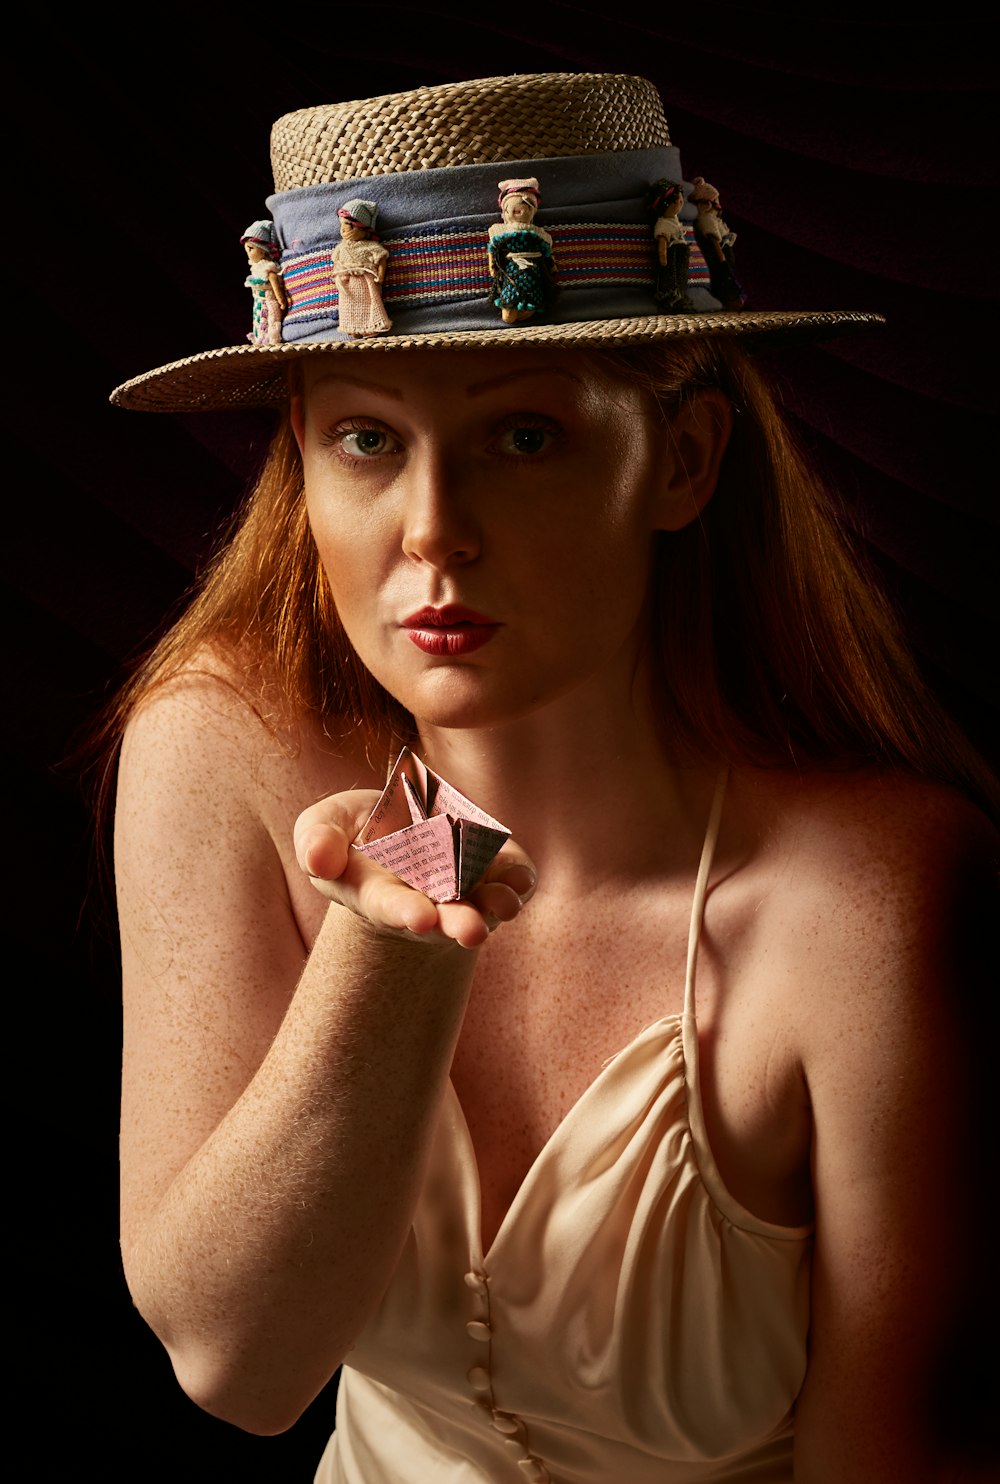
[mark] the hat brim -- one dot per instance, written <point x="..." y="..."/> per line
<point x="255" y="376"/>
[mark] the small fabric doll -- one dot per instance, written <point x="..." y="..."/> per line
<point x="359" y="266"/>
<point x="664" y="201"/>
<point x="520" y="255"/>
<point x="716" y="242"/>
<point x="264" y="279"/>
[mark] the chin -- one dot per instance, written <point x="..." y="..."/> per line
<point x="462" y="700"/>
<point x="471" y="715"/>
<point x="468" y="697"/>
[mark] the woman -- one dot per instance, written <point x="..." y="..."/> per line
<point x="639" y="1161"/>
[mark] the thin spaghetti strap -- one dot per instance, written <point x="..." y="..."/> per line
<point x="701" y="887"/>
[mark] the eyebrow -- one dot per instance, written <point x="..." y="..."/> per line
<point x="475" y="389"/>
<point x="338" y="378"/>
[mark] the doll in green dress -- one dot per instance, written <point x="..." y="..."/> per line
<point x="522" y="267"/>
<point x="264" y="278"/>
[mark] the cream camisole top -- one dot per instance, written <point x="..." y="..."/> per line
<point x="631" y="1323"/>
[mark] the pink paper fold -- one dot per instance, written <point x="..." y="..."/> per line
<point x="428" y="834"/>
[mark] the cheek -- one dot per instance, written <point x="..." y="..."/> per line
<point x="619" y="552"/>
<point x="352" y="582"/>
<point x="347" y="543"/>
<point x="594" y="579"/>
<point x="629" y="502"/>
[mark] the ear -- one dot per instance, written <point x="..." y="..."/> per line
<point x="298" y="413"/>
<point x="696" y="440"/>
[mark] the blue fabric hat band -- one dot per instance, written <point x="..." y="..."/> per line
<point x="435" y="224"/>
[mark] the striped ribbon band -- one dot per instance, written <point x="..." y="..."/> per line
<point x="451" y="267"/>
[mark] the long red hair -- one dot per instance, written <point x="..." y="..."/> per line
<point x="773" y="642"/>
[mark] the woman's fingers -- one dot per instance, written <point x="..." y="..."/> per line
<point x="323" y="833"/>
<point x="507" y="885"/>
<point x="463" y="923"/>
<point x="514" y="869"/>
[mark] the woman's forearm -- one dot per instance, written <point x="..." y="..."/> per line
<point x="269" y="1250"/>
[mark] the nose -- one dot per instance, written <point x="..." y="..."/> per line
<point x="440" y="524"/>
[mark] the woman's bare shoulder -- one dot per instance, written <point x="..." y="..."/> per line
<point x="876" y="886"/>
<point x="885" y="823"/>
<point x="214" y="725"/>
<point x="210" y="762"/>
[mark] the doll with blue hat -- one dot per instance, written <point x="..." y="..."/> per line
<point x="264" y="279"/>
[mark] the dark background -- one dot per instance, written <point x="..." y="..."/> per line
<point x="854" y="156"/>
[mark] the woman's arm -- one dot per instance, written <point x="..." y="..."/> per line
<point x="277" y="1104"/>
<point x="900" y="979"/>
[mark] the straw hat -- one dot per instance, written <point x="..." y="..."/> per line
<point x="432" y="160"/>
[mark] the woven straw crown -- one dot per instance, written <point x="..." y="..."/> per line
<point x="540" y="116"/>
<point x="398" y="150"/>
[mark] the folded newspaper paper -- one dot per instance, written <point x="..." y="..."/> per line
<point x="429" y="834"/>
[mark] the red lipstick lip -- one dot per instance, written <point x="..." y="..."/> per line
<point x="450" y="631"/>
<point x="447" y="617"/>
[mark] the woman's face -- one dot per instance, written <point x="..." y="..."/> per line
<point x="485" y="521"/>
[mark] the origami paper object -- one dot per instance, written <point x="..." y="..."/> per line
<point x="428" y="834"/>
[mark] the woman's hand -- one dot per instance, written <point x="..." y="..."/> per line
<point x="323" y="838"/>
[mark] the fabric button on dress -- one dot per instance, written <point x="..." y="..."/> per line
<point x="476" y="1281"/>
<point x="479" y="1378"/>
<point x="503" y="1422"/>
<point x="479" y="1330"/>
<point x="534" y="1469"/>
